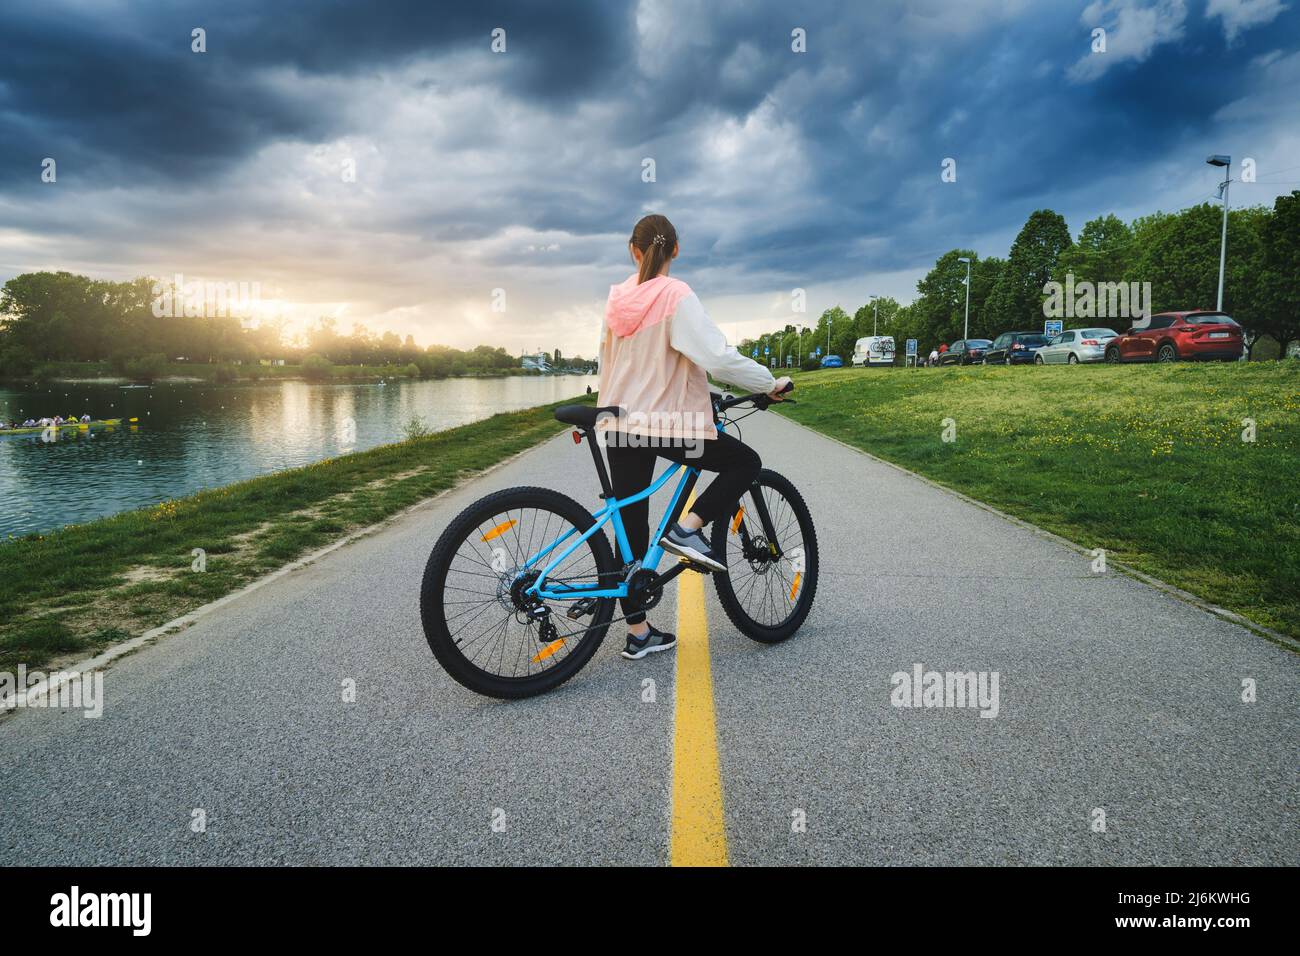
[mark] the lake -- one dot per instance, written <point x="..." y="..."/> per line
<point x="191" y="437"/>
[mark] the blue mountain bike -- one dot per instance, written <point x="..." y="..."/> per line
<point x="522" y="585"/>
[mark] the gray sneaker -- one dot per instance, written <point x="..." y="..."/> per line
<point x="692" y="546"/>
<point x="655" y="640"/>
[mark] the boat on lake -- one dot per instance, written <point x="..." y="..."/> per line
<point x="96" y="425"/>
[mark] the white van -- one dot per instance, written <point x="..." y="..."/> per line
<point x="874" y="350"/>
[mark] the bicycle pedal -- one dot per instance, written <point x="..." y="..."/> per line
<point x="581" y="608"/>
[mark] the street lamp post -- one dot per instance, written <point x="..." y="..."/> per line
<point x="1225" y="161"/>
<point x="965" y="332"/>
<point x="875" y="320"/>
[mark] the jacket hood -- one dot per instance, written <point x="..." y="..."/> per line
<point x="632" y="307"/>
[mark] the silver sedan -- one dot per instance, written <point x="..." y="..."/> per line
<point x="1074" y="346"/>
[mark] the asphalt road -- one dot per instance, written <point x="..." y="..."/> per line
<point x="1113" y="695"/>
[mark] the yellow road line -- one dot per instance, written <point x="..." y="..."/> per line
<point x="699" y="833"/>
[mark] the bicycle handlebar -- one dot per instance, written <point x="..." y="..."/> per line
<point x="761" y="400"/>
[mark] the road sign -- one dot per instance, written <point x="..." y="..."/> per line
<point x="766" y="350"/>
<point x="1052" y="327"/>
<point x="911" y="346"/>
<point x="754" y="354"/>
<point x="819" y="351"/>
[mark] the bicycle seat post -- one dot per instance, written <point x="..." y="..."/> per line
<point x="606" y="489"/>
<point x="585" y="418"/>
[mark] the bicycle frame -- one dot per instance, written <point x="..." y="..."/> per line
<point x="610" y="514"/>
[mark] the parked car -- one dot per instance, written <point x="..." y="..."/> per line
<point x="1014" y="348"/>
<point x="964" y="352"/>
<point x="874" y="350"/>
<point x="1074" y="346"/>
<point x="832" y="361"/>
<point x="1171" y="336"/>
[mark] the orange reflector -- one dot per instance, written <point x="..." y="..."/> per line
<point x="735" y="522"/>
<point x="500" y="529"/>
<point x="794" y="588"/>
<point x="548" y="650"/>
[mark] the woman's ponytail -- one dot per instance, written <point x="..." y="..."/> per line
<point x="656" y="238"/>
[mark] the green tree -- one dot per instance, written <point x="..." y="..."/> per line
<point x="984" y="276"/>
<point x="147" y="368"/>
<point x="878" y="314"/>
<point x="1103" y="252"/>
<point x="1279" y="278"/>
<point x="1017" y="298"/>
<point x="317" y="367"/>
<point x="1178" y="253"/>
<point x="939" y="310"/>
<point x="59" y="316"/>
<point x="837" y="320"/>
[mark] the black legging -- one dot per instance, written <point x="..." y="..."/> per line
<point x="631" y="469"/>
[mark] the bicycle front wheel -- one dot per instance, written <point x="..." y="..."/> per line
<point x="483" y="627"/>
<point x="770" y="547"/>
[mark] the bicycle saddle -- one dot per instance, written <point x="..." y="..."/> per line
<point x="584" y="416"/>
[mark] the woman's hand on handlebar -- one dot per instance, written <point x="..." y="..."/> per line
<point x="783" y="385"/>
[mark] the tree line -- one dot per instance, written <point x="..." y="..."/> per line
<point x="59" y="317"/>
<point x="1177" y="253"/>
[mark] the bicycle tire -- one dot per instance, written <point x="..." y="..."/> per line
<point x="433" y="603"/>
<point x="724" y="584"/>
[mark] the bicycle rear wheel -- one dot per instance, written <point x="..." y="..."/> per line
<point x="483" y="628"/>
<point x="771" y="577"/>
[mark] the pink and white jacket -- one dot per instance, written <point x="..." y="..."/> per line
<point x="657" y="349"/>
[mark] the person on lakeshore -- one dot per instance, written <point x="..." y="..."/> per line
<point x="657" y="349"/>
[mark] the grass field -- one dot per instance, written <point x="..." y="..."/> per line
<point x="90" y="585"/>
<point x="1146" y="461"/>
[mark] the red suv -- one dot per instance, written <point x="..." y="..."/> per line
<point x="1171" y="336"/>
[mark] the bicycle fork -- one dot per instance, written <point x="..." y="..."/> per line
<point x="773" y="550"/>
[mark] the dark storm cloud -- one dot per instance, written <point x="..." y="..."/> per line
<point x="113" y="102"/>
<point x="562" y="48"/>
<point x="118" y="92"/>
<point x="808" y="166"/>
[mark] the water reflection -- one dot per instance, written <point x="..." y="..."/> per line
<point x="201" y="436"/>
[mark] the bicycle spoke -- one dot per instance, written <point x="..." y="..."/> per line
<point x="763" y="586"/>
<point x="479" y="610"/>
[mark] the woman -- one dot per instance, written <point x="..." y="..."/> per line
<point x="657" y="349"/>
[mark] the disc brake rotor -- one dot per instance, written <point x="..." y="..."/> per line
<point x="759" y="554"/>
<point x="511" y="591"/>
